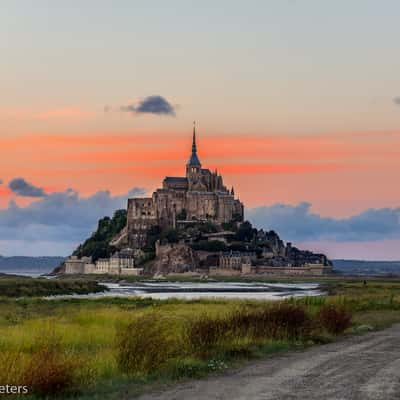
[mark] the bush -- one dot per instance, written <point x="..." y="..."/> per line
<point x="289" y="322"/>
<point x="212" y="245"/>
<point x="148" y="344"/>
<point x="246" y="232"/>
<point x="182" y="215"/>
<point x="205" y="335"/>
<point x="172" y="235"/>
<point x="208" y="335"/>
<point x="98" y="245"/>
<point x="50" y="371"/>
<point x="281" y="321"/>
<point x="335" y="319"/>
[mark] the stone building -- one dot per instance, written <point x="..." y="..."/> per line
<point x="75" y="265"/>
<point x="235" y="260"/>
<point x="120" y="263"/>
<point x="200" y="195"/>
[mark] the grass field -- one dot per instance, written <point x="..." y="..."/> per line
<point x="101" y="348"/>
<point x="32" y="287"/>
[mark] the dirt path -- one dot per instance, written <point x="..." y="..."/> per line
<point x="357" y="368"/>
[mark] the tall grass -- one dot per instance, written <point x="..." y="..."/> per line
<point x="153" y="341"/>
<point x="50" y="370"/>
<point x="47" y="369"/>
<point x="206" y="335"/>
<point x="11" y="367"/>
<point x="335" y="319"/>
<point x="91" y="344"/>
<point x="149" y="343"/>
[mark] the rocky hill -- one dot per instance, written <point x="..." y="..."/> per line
<point x="198" y="245"/>
<point x="98" y="244"/>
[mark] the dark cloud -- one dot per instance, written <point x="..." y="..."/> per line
<point x="396" y="100"/>
<point x="151" y="105"/>
<point x="58" y="222"/>
<point x="298" y="223"/>
<point x="21" y="187"/>
<point x="63" y="219"/>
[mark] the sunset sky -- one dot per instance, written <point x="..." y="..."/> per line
<point x="297" y="104"/>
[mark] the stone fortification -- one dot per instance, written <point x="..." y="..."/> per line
<point x="200" y="195"/>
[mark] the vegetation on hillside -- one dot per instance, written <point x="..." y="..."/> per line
<point x="98" y="245"/>
<point x="242" y="237"/>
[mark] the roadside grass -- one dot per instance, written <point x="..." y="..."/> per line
<point x="108" y="347"/>
<point x="376" y="319"/>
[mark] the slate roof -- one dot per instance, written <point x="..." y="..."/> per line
<point x="175" y="179"/>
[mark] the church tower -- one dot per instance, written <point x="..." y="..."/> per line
<point x="193" y="166"/>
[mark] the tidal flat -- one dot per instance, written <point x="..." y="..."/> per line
<point x="107" y="347"/>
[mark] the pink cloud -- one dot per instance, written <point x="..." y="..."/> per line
<point x="64" y="113"/>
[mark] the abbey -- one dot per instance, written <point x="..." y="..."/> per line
<point x="200" y="195"/>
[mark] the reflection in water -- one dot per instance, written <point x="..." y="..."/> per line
<point x="194" y="290"/>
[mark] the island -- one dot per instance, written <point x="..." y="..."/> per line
<point x="192" y="225"/>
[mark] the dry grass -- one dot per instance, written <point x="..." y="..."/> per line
<point x="204" y="336"/>
<point x="335" y="319"/>
<point x="149" y="343"/>
<point x="102" y="341"/>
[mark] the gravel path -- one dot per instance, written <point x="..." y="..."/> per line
<point x="358" y="368"/>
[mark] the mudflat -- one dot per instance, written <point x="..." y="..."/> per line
<point x="363" y="367"/>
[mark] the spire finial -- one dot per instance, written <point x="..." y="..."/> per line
<point x="194" y="138"/>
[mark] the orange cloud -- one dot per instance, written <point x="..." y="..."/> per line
<point x="20" y="113"/>
<point x="317" y="168"/>
<point x="64" y="113"/>
<point x="5" y="191"/>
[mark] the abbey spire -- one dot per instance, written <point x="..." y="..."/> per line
<point x="194" y="160"/>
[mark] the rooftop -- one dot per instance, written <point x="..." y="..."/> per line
<point x="175" y="179"/>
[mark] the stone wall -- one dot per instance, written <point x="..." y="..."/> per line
<point x="75" y="265"/>
<point x="165" y="205"/>
<point x="112" y="266"/>
<point x="141" y="216"/>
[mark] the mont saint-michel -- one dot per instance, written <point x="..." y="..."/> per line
<point x="192" y="224"/>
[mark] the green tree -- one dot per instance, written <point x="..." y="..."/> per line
<point x="172" y="235"/>
<point x="181" y="216"/>
<point x="98" y="245"/>
<point x="246" y="232"/>
<point x="212" y="245"/>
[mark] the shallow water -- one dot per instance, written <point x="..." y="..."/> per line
<point x="198" y="290"/>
